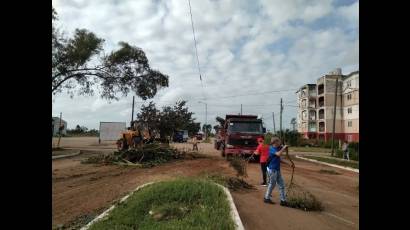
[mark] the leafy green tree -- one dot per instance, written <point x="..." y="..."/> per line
<point x="293" y="123"/>
<point x="149" y="115"/>
<point x="207" y="129"/>
<point x="220" y="120"/>
<point x="170" y="119"/>
<point x="78" y="62"/>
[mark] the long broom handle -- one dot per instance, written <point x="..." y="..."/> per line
<point x="293" y="168"/>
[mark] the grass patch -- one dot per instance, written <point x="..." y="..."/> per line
<point x="350" y="164"/>
<point x="329" y="171"/>
<point x="298" y="198"/>
<point x="57" y="149"/>
<point x="310" y="149"/>
<point x="353" y="154"/>
<point x="178" y="204"/>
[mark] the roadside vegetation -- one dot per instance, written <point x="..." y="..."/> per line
<point x="178" y="204"/>
<point x="351" y="164"/>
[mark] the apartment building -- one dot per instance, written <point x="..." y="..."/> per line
<point x="316" y="107"/>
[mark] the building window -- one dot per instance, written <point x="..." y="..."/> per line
<point x="349" y="110"/>
<point x="349" y="84"/>
<point x="349" y="124"/>
<point x="349" y="138"/>
<point x="349" y="96"/>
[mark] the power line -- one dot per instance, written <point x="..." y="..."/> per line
<point x="249" y="94"/>
<point x="195" y="43"/>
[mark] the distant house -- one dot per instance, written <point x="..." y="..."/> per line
<point x="55" y="125"/>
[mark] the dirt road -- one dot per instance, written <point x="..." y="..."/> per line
<point x="338" y="193"/>
<point x="81" y="191"/>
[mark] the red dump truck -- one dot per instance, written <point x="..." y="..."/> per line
<point x="239" y="135"/>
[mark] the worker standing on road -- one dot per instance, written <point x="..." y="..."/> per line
<point x="263" y="151"/>
<point x="194" y="143"/>
<point x="273" y="168"/>
<point x="345" y="148"/>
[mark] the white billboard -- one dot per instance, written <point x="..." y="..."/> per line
<point x="111" y="131"/>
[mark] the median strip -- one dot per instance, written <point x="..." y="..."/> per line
<point x="329" y="164"/>
<point x="180" y="203"/>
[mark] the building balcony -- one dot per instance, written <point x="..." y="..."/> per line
<point x="321" y="126"/>
<point x="320" y="89"/>
<point x="312" y="95"/>
<point x="313" y="129"/>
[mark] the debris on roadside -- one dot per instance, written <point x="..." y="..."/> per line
<point x="147" y="156"/>
<point x="299" y="198"/>
<point x="239" y="164"/>
<point x="232" y="183"/>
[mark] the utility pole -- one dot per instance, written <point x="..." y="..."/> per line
<point x="241" y="109"/>
<point x="132" y="114"/>
<point x="59" y="130"/>
<point x="334" y="117"/>
<point x="280" y="123"/>
<point x="206" y="116"/>
<point x="206" y="120"/>
<point x="273" y="118"/>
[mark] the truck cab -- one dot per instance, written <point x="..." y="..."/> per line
<point x="239" y="135"/>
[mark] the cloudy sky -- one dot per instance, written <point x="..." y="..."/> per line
<point x="250" y="52"/>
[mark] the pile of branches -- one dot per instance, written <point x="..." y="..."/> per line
<point x="147" y="156"/>
<point x="299" y="198"/>
<point x="239" y="164"/>
<point x="232" y="183"/>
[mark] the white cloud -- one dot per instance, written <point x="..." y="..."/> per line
<point x="233" y="45"/>
<point x="280" y="12"/>
<point x="350" y="12"/>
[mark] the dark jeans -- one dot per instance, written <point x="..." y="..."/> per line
<point x="195" y="147"/>
<point x="263" y="168"/>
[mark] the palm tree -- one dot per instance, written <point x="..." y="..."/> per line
<point x="293" y="122"/>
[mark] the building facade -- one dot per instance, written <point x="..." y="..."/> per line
<point x="316" y="107"/>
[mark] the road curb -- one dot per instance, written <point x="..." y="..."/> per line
<point x="234" y="211"/>
<point x="64" y="156"/>
<point x="328" y="164"/>
<point x="106" y="212"/>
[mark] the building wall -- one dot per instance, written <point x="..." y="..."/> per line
<point x="354" y="128"/>
<point x="353" y="99"/>
<point x="347" y="100"/>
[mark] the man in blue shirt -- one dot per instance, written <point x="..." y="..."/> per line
<point x="273" y="170"/>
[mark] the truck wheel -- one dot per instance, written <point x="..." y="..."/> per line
<point x="124" y="145"/>
<point x="119" y="144"/>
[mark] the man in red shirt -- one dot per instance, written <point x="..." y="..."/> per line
<point x="263" y="151"/>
